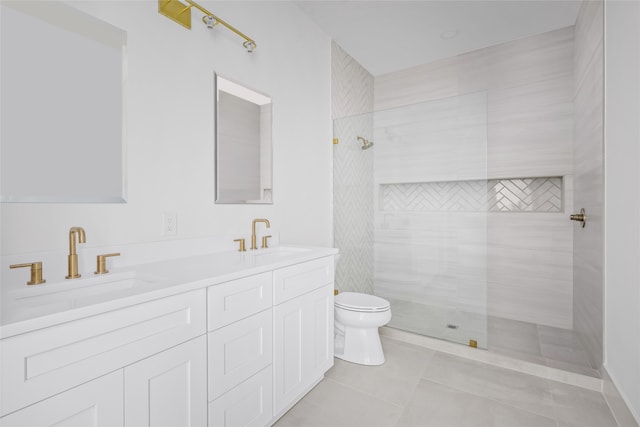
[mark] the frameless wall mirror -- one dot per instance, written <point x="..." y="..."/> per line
<point x="62" y="112"/>
<point x="243" y="144"/>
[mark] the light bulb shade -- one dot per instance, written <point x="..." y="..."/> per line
<point x="209" y="21"/>
<point x="249" y="45"/>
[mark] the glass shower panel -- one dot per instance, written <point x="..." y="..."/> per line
<point x="428" y="186"/>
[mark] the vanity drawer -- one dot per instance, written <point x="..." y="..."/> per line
<point x="247" y="405"/>
<point x="41" y="363"/>
<point x="239" y="351"/>
<point x="299" y="279"/>
<point x="235" y="300"/>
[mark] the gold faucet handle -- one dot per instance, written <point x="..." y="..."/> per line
<point x="265" y="244"/>
<point x="102" y="263"/>
<point x="36" y="272"/>
<point x="242" y="248"/>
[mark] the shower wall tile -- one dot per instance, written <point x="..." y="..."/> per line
<point x="588" y="36"/>
<point x="432" y="257"/>
<point x="352" y="104"/>
<point x="407" y="87"/>
<point x="529" y="134"/>
<point x="351" y="85"/>
<point x="450" y="144"/>
<point x="530" y="100"/>
<point x="589" y="181"/>
<point x="530" y="271"/>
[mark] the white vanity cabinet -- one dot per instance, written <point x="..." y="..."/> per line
<point x="234" y="353"/>
<point x="45" y="366"/>
<point x="270" y="341"/>
<point x="303" y="328"/>
<point x="240" y="319"/>
<point x="98" y="403"/>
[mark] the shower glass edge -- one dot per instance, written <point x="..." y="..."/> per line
<point x="410" y="213"/>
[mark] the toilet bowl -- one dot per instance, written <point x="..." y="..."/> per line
<point x="357" y="319"/>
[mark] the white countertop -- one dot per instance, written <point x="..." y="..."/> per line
<point x="38" y="306"/>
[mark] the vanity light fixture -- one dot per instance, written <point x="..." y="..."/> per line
<point x="181" y="13"/>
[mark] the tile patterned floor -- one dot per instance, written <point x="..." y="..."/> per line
<point x="544" y="345"/>
<point x="419" y="387"/>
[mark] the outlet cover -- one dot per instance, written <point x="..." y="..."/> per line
<point x="169" y="224"/>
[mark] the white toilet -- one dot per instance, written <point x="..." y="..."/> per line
<point x="357" y="319"/>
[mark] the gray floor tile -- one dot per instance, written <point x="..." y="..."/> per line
<point x="575" y="406"/>
<point x="394" y="381"/>
<point x="503" y="385"/>
<point x="331" y="404"/>
<point x="436" y="405"/>
<point x="512" y="335"/>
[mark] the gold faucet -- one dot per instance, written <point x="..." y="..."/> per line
<point x="73" y="256"/>
<point x="253" y="231"/>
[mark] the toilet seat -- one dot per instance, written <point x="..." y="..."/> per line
<point x="354" y="301"/>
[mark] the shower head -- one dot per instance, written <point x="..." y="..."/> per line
<point x="365" y="143"/>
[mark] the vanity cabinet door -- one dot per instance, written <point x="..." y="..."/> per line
<point x="98" y="403"/>
<point x="303" y="348"/>
<point x="169" y="388"/>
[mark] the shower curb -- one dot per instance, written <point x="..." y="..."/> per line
<point x="554" y="374"/>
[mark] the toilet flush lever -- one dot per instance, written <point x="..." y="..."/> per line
<point x="580" y="217"/>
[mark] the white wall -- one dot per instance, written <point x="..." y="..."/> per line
<point x="170" y="130"/>
<point x="622" y="200"/>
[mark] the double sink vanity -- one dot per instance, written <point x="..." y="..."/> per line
<point x="225" y="338"/>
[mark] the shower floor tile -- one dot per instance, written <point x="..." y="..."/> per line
<point x="545" y="345"/>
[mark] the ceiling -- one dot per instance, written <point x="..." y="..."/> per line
<point x="386" y="36"/>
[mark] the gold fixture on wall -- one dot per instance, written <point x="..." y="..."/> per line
<point x="36" y="272"/>
<point x="365" y="143"/>
<point x="580" y="217"/>
<point x="181" y="13"/>
<point x="473" y="343"/>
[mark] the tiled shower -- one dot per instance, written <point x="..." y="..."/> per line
<point x="459" y="212"/>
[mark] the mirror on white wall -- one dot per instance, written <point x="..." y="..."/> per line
<point x="62" y="112"/>
<point x="243" y="144"/>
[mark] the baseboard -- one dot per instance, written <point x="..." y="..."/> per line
<point x="623" y="415"/>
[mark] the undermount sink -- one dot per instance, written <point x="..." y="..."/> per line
<point x="77" y="290"/>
